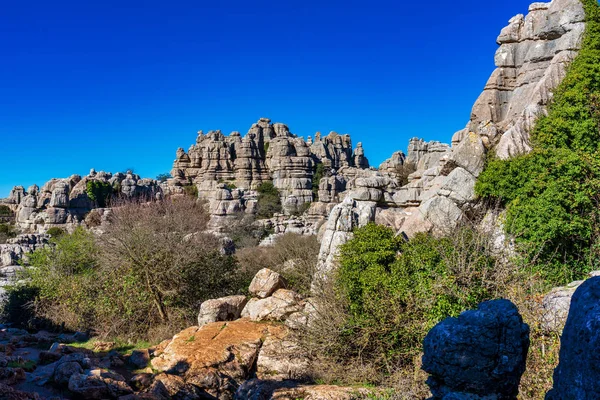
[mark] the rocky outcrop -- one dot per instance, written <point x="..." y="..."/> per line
<point x="257" y="389"/>
<point x="269" y="152"/>
<point x="556" y="304"/>
<point x="577" y="374"/>
<point x="224" y="309"/>
<point x="534" y="53"/>
<point x="479" y="355"/>
<point x="66" y="202"/>
<point x="17" y="249"/>
<point x="216" y="358"/>
<point x="265" y="283"/>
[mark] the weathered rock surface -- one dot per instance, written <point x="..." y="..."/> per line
<point x="18" y="248"/>
<point x="265" y="283"/>
<point x="216" y="358"/>
<point x="65" y="202"/>
<point x="257" y="389"/>
<point x="277" y="307"/>
<point x="479" y="355"/>
<point x="577" y="374"/>
<point x="269" y="152"/>
<point x="281" y="358"/>
<point x="224" y="309"/>
<point x="534" y="52"/>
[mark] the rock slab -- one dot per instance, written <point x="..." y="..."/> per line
<point x="481" y="353"/>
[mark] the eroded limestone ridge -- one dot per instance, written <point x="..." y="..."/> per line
<point x="268" y="152"/>
<point x="534" y="53"/>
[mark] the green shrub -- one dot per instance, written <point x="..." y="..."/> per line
<point x="394" y="291"/>
<point x="5" y="211"/>
<point x="551" y="194"/>
<point x="163" y="177"/>
<point x="318" y="175"/>
<point x="191" y="190"/>
<point x="99" y="192"/>
<point x="149" y="272"/>
<point x="7" y="231"/>
<point x="269" y="200"/>
<point x="55" y="232"/>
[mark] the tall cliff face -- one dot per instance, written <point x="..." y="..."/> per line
<point x="534" y="53"/>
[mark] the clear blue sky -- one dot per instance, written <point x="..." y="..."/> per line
<point x="122" y="84"/>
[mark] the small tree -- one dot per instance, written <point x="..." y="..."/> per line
<point x="163" y="177"/>
<point x="159" y="247"/>
<point x="269" y="200"/>
<point x="5" y="211"/>
<point x="99" y="192"/>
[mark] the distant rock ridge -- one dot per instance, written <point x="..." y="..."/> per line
<point x="268" y="152"/>
<point x="65" y="203"/>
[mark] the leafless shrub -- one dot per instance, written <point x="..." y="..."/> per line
<point x="292" y="255"/>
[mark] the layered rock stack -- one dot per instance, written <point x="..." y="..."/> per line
<point x="65" y="202"/>
<point x="268" y="152"/>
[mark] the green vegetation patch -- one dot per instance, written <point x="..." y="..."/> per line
<point x="99" y="192"/>
<point x="396" y="290"/>
<point x="551" y="195"/>
<point x="269" y="200"/>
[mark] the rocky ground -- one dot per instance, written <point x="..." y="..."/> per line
<point x="241" y="349"/>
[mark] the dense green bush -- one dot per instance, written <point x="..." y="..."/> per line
<point x="395" y="290"/>
<point x="5" y="211"/>
<point x="191" y="190"/>
<point x="269" y="200"/>
<point x="551" y="195"/>
<point x="99" y="192"/>
<point x="7" y="231"/>
<point x="318" y="175"/>
<point x="55" y="232"/>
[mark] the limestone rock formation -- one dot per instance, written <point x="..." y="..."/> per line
<point x="265" y="283"/>
<point x="66" y="202"/>
<point x="556" y="304"/>
<point x="224" y="309"/>
<point x="479" y="355"/>
<point x="216" y="358"/>
<point x="535" y="51"/>
<point x="257" y="389"/>
<point x="268" y="152"/>
<point x="18" y="248"/>
<point x="576" y="376"/>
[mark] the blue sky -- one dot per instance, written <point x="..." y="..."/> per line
<point x="122" y="84"/>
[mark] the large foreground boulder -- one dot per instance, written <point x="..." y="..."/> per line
<point x="578" y="373"/>
<point x="479" y="355"/>
<point x="216" y="358"/>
